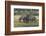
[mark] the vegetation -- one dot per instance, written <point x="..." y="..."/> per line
<point x="22" y="12"/>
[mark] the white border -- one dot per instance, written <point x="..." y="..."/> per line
<point x="25" y="28"/>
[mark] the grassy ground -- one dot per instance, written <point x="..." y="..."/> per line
<point x="22" y="24"/>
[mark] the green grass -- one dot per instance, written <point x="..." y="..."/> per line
<point x="22" y="24"/>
